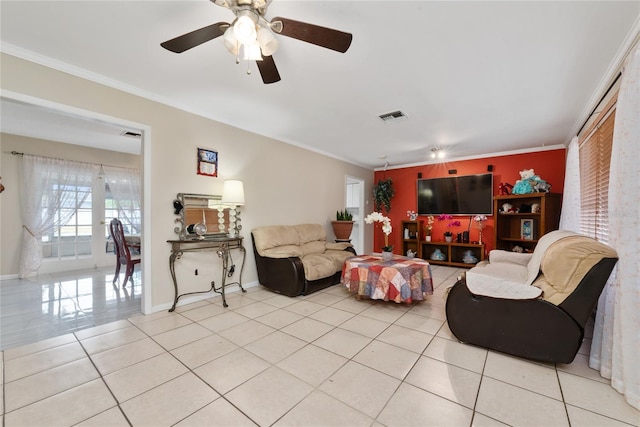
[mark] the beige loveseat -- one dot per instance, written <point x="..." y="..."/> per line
<point x="297" y="259"/>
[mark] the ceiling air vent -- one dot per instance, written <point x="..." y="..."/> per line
<point x="393" y="116"/>
<point x="131" y="134"/>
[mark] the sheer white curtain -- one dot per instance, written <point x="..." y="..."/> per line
<point x="570" y="214"/>
<point x="48" y="200"/>
<point x="616" y="340"/>
<point x="124" y="185"/>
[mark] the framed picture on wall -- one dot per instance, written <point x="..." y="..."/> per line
<point x="207" y="162"/>
<point x="526" y="229"/>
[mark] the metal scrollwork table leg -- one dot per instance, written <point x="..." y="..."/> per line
<point x="223" y="249"/>
<point x="223" y="253"/>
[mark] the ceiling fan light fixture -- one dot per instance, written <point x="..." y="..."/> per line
<point x="267" y="41"/>
<point x="230" y="42"/>
<point x="244" y="29"/>
<point x="251" y="34"/>
<point x="252" y="52"/>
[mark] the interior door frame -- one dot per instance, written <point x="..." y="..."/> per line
<point x="359" y="226"/>
<point x="146" y="271"/>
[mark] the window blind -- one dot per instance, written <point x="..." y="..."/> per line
<point x="595" y="158"/>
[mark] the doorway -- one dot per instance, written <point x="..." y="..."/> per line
<point x="40" y="114"/>
<point x="354" y="194"/>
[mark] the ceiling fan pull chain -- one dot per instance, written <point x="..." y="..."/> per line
<point x="248" y="68"/>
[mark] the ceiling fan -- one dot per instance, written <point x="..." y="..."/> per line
<point x="252" y="34"/>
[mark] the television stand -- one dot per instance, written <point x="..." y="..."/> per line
<point x="453" y="251"/>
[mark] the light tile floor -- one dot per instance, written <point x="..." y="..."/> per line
<point x="54" y="304"/>
<point x="324" y="359"/>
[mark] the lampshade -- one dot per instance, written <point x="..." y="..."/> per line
<point x="233" y="192"/>
<point x="230" y="42"/>
<point x="245" y="29"/>
<point x="268" y="43"/>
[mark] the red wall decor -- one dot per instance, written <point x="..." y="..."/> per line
<point x="548" y="165"/>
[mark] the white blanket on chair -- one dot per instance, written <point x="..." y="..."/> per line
<point x="512" y="280"/>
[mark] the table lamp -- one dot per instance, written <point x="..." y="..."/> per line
<point x="233" y="196"/>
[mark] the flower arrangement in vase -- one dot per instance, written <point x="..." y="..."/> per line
<point x="480" y="219"/>
<point x="428" y="228"/>
<point x="412" y="215"/>
<point x="448" y="234"/>
<point x="386" y="229"/>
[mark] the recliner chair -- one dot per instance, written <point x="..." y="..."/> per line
<point x="540" y="312"/>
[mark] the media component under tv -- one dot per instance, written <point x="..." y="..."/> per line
<point x="456" y="195"/>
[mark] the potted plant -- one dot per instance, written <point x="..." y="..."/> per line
<point x="428" y="228"/>
<point x="383" y="192"/>
<point x="343" y="225"/>
<point x="448" y="235"/>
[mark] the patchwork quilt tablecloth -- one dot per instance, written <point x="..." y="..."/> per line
<point x="401" y="279"/>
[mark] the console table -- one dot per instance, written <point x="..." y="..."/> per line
<point x="222" y="246"/>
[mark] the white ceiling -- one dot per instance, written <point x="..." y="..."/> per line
<point x="21" y="118"/>
<point x="472" y="77"/>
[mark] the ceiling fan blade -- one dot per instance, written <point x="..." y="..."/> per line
<point x="314" y="34"/>
<point x="268" y="70"/>
<point x="195" y="38"/>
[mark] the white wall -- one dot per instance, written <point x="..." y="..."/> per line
<point x="284" y="184"/>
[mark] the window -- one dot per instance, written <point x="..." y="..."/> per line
<point x="72" y="238"/>
<point x="595" y="159"/>
<point x="126" y="210"/>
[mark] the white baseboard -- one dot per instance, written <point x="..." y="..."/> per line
<point x="199" y="297"/>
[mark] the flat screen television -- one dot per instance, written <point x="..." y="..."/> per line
<point x="456" y="195"/>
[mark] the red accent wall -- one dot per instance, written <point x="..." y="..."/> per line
<point x="548" y="165"/>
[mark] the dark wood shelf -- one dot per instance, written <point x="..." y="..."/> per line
<point x="519" y="214"/>
<point x="415" y="228"/>
<point x="510" y="239"/>
<point x="507" y="226"/>
<point x="453" y="251"/>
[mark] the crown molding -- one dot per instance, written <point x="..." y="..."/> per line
<point x="64" y="67"/>
<point x="479" y="156"/>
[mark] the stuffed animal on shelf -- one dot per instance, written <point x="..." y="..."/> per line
<point x="541" y="186"/>
<point x="508" y="208"/>
<point x="505" y="188"/>
<point x="529" y="182"/>
<point x="524" y="208"/>
<point x="523" y="185"/>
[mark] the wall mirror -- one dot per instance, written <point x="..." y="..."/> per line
<point x="201" y="216"/>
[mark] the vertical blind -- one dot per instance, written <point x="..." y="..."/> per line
<point x="595" y="158"/>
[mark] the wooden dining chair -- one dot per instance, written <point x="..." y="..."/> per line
<point x="123" y="253"/>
